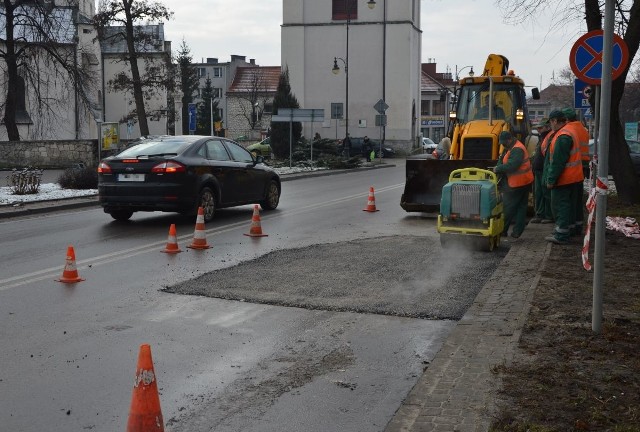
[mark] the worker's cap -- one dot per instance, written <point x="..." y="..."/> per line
<point x="558" y="115"/>
<point x="569" y="113"/>
<point x="542" y="123"/>
<point x="504" y="137"/>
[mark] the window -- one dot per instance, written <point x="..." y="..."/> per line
<point x="342" y="8"/>
<point x="216" y="151"/>
<point x="268" y="108"/>
<point x="238" y="153"/>
<point x="202" y="72"/>
<point x="217" y="72"/>
<point x="217" y="92"/>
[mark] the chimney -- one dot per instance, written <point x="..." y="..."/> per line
<point x="235" y="57"/>
<point x="211" y="60"/>
<point x="252" y="61"/>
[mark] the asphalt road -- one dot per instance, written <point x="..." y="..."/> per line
<point x="342" y="357"/>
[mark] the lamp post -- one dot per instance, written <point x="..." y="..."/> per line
<point x="455" y="83"/>
<point x="336" y="70"/>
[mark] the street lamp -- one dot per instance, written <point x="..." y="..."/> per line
<point x="471" y="73"/>
<point x="336" y="70"/>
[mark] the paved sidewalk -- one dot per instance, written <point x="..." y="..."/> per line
<point x="457" y="392"/>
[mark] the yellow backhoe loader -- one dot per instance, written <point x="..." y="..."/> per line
<point x="484" y="106"/>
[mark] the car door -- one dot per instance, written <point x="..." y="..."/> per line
<point x="223" y="169"/>
<point x="250" y="179"/>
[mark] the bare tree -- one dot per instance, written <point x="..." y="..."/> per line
<point x="627" y="19"/>
<point x="39" y="62"/>
<point x="116" y="22"/>
<point x="253" y="97"/>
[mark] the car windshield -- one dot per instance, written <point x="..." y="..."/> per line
<point x="162" y="147"/>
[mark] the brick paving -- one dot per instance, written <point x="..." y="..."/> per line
<point x="457" y="391"/>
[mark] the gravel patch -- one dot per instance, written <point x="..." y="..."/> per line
<point x="404" y="276"/>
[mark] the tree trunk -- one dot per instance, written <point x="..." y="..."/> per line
<point x="135" y="76"/>
<point x="11" y="104"/>
<point x="620" y="164"/>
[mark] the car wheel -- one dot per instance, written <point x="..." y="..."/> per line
<point x="272" y="198"/>
<point x="207" y="201"/>
<point x="121" y="215"/>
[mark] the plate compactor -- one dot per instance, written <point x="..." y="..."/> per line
<point x="471" y="210"/>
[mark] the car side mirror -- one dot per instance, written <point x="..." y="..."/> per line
<point x="259" y="159"/>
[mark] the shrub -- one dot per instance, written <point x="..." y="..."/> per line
<point x="25" y="181"/>
<point x="79" y="177"/>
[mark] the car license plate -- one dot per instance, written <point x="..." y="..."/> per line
<point x="131" y="177"/>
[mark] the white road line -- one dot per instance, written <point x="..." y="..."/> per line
<point x="53" y="272"/>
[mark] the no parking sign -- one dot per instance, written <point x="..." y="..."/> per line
<point x="587" y="53"/>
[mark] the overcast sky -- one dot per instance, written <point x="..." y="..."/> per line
<point x="455" y="32"/>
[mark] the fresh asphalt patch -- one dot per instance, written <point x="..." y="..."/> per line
<point x="407" y="276"/>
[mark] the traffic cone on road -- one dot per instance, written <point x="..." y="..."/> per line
<point x="145" y="414"/>
<point x="199" y="236"/>
<point x="371" y="202"/>
<point x="172" y="242"/>
<point x="70" y="272"/>
<point x="256" y="228"/>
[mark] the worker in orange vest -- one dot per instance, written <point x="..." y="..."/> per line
<point x="515" y="164"/>
<point x="564" y="176"/>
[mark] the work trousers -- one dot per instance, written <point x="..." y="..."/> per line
<point x="563" y="205"/>
<point x="542" y="197"/>
<point x="515" y="203"/>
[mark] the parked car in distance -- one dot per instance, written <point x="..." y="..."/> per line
<point x="182" y="173"/>
<point x="262" y="148"/>
<point x="357" y="143"/>
<point x="634" y="152"/>
<point x="428" y="146"/>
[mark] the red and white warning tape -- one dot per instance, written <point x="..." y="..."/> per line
<point x="602" y="188"/>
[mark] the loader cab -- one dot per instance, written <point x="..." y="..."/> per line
<point x="491" y="100"/>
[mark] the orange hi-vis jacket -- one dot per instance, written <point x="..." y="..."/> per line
<point x="572" y="172"/>
<point x="582" y="134"/>
<point x="523" y="175"/>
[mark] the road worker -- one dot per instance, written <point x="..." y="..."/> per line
<point x="563" y="176"/>
<point x="514" y="163"/>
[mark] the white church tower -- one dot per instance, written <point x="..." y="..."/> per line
<point x="378" y="44"/>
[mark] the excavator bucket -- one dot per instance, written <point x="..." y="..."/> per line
<point x="426" y="177"/>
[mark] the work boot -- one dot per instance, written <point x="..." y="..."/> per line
<point x="536" y="220"/>
<point x="546" y="221"/>
<point x="552" y="239"/>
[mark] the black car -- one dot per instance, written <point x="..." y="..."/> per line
<point x="357" y="144"/>
<point x="182" y="173"/>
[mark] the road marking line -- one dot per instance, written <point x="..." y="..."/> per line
<point x="51" y="272"/>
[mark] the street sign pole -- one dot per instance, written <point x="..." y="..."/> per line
<point x="603" y="169"/>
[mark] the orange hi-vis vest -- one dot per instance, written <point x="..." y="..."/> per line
<point x="572" y="172"/>
<point x="582" y="134"/>
<point x="523" y="175"/>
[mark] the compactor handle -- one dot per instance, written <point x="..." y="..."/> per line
<point x="471" y="174"/>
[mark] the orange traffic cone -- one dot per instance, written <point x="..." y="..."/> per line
<point x="371" y="202"/>
<point x="256" y="228"/>
<point x="172" y="242"/>
<point x="145" y="414"/>
<point x="199" y="237"/>
<point x="70" y="272"/>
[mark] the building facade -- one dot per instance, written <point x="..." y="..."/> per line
<point x="250" y="101"/>
<point x="221" y="75"/>
<point x="64" y="109"/>
<point x="379" y="49"/>
<point x="154" y="57"/>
